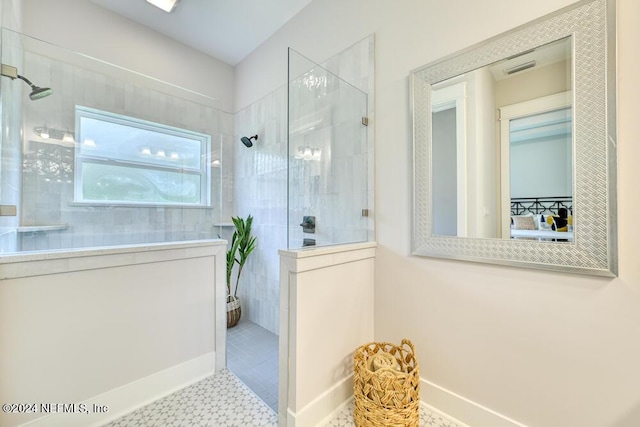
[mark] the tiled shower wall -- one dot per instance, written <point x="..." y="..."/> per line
<point x="260" y="189"/>
<point x="260" y="181"/>
<point x="48" y="165"/>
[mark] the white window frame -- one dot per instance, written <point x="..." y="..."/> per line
<point x="80" y="158"/>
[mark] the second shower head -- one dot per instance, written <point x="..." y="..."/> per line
<point x="36" y="91"/>
<point x="247" y="141"/>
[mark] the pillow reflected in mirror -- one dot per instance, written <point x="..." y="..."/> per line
<point x="523" y="222"/>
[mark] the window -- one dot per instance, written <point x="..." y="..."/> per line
<point x="122" y="160"/>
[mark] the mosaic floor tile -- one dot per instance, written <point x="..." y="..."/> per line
<point x="221" y="400"/>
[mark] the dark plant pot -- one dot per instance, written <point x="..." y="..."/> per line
<point x="234" y="311"/>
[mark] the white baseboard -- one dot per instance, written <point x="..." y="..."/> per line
<point x="467" y="411"/>
<point x="122" y="400"/>
<point x="320" y="410"/>
<point x="435" y="398"/>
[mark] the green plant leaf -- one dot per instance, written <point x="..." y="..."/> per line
<point x="246" y="243"/>
<point x="231" y="260"/>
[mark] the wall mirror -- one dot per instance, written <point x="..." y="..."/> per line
<point x="515" y="147"/>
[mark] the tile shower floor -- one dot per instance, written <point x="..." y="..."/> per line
<point x="252" y="355"/>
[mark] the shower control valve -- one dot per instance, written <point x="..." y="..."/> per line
<point x="308" y="224"/>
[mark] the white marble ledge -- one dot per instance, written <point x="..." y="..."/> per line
<point x="28" y="264"/>
<point x="311" y="258"/>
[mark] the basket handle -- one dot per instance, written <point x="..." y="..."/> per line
<point x="408" y="343"/>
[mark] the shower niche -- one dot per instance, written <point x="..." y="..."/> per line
<point x="328" y="157"/>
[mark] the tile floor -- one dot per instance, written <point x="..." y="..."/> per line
<point x="244" y="395"/>
<point x="220" y="400"/>
<point x="252" y="355"/>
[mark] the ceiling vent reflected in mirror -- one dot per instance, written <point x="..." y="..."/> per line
<point x="520" y="67"/>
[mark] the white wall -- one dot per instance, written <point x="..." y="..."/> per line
<point x="542" y="348"/>
<point x="84" y="27"/>
<point x="548" y="80"/>
<point x="482" y="172"/>
<point x="11" y="14"/>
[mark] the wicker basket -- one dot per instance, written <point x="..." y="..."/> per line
<point x="234" y="311"/>
<point x="387" y="396"/>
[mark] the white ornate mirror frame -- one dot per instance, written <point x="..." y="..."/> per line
<point x="591" y="25"/>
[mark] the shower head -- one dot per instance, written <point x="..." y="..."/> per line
<point x="36" y="91"/>
<point x="247" y="141"/>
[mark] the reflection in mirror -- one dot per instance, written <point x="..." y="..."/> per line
<point x="483" y="172"/>
<point x="537" y="188"/>
<point x="515" y="146"/>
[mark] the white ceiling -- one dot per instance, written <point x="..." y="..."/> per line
<point x="226" y="29"/>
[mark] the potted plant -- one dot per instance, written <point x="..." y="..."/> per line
<point x="242" y="244"/>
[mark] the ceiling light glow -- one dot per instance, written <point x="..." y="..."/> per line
<point x="166" y="5"/>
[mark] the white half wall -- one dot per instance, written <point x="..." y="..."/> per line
<point x="117" y="326"/>
<point x="326" y="313"/>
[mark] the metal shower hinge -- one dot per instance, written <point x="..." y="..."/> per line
<point x="365" y="121"/>
<point x="365" y="212"/>
<point x="8" y="210"/>
<point x="9" y="71"/>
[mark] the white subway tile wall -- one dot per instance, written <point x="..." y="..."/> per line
<point x="48" y="164"/>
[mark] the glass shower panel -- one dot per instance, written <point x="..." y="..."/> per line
<point x="327" y="183"/>
<point x="151" y="169"/>
<point x="12" y="94"/>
